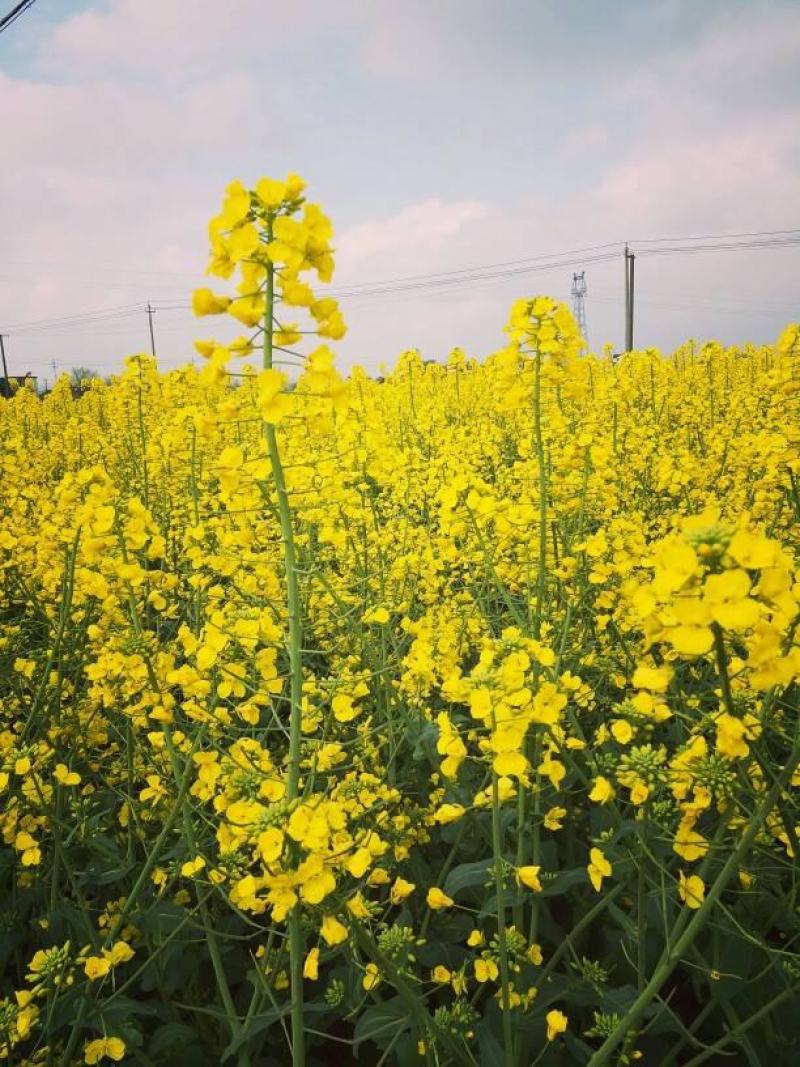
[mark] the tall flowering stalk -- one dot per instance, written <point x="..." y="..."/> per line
<point x="273" y="236"/>
<point x="540" y="329"/>
<point x="294" y="648"/>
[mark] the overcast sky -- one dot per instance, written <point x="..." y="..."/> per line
<point x="438" y="134"/>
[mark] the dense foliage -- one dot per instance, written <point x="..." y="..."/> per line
<point x="450" y="718"/>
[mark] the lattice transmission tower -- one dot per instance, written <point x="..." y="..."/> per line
<point x="578" y="293"/>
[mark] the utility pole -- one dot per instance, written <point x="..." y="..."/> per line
<point x="7" y="388"/>
<point x="578" y="293"/>
<point x="630" y="259"/>
<point x="152" y="335"/>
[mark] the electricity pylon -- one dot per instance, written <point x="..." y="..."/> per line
<point x="578" y="292"/>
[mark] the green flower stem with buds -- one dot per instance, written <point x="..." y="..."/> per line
<point x="542" y="468"/>
<point x="295" y="645"/>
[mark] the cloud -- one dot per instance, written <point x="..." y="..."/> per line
<point x="173" y="40"/>
<point x="683" y="180"/>
<point x="182" y="40"/>
<point x="426" y="227"/>
<point x="741" y="65"/>
<point x="585" y="139"/>
<point x="110" y="172"/>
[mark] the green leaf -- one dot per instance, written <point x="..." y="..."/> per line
<point x="453" y="928"/>
<point x="579" y="1051"/>
<point x="107" y="876"/>
<point x="170" y="970"/>
<point x="379" y="1023"/>
<point x="405" y="1052"/>
<point x="563" y="881"/>
<point x="163" y="919"/>
<point x="627" y="828"/>
<point x="468" y="875"/>
<point x="490" y="1049"/>
<point x="623" y="921"/>
<point x="171" y="1036"/>
<point x="620" y="999"/>
<point x="117" y="1010"/>
<point x="263" y="1021"/>
<point x="8" y="943"/>
<point x="450" y="953"/>
<point x="104" y="846"/>
<point x="425" y="744"/>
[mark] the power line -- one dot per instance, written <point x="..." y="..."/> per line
<point x="96" y="314"/>
<point x="98" y="268"/>
<point x="117" y="268"/>
<point x="15" y="13"/>
<point x="792" y="235"/>
<point x="486" y="266"/>
<point x="461" y="277"/>
<point x="711" y="236"/>
<point x="452" y="278"/>
<point x="129" y="326"/>
<point x="466" y="276"/>
<point x="741" y="246"/>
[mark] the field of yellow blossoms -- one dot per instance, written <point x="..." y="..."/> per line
<point x="443" y="718"/>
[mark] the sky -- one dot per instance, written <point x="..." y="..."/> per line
<point x="439" y="135"/>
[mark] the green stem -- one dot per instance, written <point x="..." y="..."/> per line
<point x="143" y="440"/>
<point x="641" y="919"/>
<point x="568" y="943"/>
<point x="736" y="1033"/>
<point x="508" y="1039"/>
<point x="722" y="668"/>
<point x="696" y="1023"/>
<point x="295" y="646"/>
<point x="537" y="833"/>
<point x="410" y="996"/>
<point x="537" y="430"/>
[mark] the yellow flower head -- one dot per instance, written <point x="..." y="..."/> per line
<point x="529" y="876"/>
<point x="599" y="868"/>
<point x="112" y="1048"/>
<point x="333" y="932"/>
<point x="311" y="965"/>
<point x="691" y="890"/>
<point x="556" y="1023"/>
<point x="372" y="977"/>
<point x="437" y="900"/>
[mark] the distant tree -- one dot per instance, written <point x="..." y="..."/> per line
<point x="81" y="376"/>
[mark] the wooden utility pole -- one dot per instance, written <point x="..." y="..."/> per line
<point x="7" y="386"/>
<point x="630" y="259"/>
<point x="152" y="335"/>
